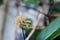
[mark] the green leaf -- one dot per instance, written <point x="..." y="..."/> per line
<point x="51" y="31"/>
<point x="29" y="2"/>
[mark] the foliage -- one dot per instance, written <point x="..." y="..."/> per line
<point x="56" y="8"/>
<point x="1" y="1"/>
<point x="34" y="36"/>
<point x="29" y="2"/>
<point x="51" y="31"/>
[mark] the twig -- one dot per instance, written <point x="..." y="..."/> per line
<point x="34" y="28"/>
<point x="53" y="15"/>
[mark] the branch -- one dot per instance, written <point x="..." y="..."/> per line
<point x="34" y="27"/>
<point x="53" y="15"/>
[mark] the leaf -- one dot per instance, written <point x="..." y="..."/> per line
<point x="29" y="2"/>
<point x="51" y="31"/>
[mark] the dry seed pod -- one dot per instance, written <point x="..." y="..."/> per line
<point x="19" y="20"/>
